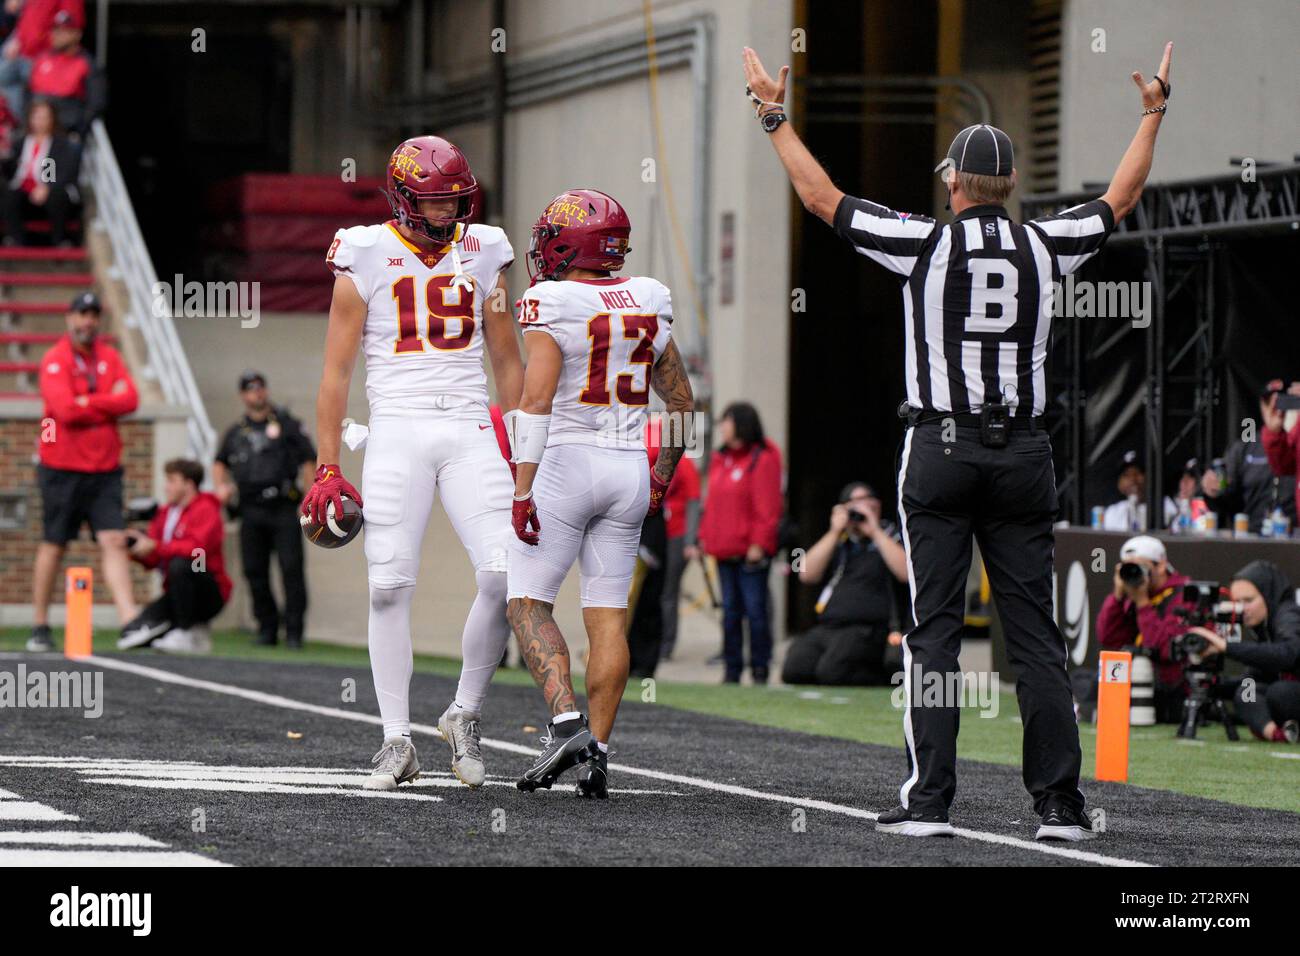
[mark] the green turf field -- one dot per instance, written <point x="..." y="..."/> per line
<point x="1247" y="772"/>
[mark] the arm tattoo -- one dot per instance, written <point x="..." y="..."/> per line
<point x="543" y="648"/>
<point x="674" y="387"/>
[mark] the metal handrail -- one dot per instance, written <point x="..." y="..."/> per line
<point x="146" y="311"/>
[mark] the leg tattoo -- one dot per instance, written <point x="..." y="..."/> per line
<point x="543" y="648"/>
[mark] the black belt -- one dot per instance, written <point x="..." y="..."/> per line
<point x="1017" y="423"/>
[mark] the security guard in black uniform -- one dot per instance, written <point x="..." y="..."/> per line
<point x="256" y="475"/>
<point x="978" y="298"/>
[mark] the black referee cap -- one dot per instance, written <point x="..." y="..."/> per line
<point x="984" y="150"/>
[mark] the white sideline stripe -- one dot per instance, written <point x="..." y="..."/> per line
<point x="8" y="795"/>
<point x="78" y="838"/>
<point x="232" y="786"/>
<point x="103" y="858"/>
<point x="34" y="812"/>
<point x="286" y="703"/>
<point x="324" y="776"/>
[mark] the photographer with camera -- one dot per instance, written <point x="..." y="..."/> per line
<point x="1140" y="611"/>
<point x="858" y="562"/>
<point x="1269" y="704"/>
<point x="184" y="542"/>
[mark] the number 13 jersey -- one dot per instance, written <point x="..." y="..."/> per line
<point x="423" y="337"/>
<point x="611" y="332"/>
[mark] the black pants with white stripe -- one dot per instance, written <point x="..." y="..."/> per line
<point x="1005" y="498"/>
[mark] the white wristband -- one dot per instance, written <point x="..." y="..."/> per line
<point x="528" y="436"/>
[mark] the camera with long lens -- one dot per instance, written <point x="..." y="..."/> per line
<point x="856" y="516"/>
<point x="1204" y="606"/>
<point x="1133" y="573"/>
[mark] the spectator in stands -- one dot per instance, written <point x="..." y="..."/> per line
<point x="1269" y="704"/>
<point x="1282" y="446"/>
<point x="681" y="525"/>
<point x="8" y="127"/>
<point x="86" y="388"/>
<point x="739" y="530"/>
<point x="31" y="37"/>
<point x="857" y="563"/>
<point x="1243" y="481"/>
<point x="66" y="78"/>
<point x="256" y="475"/>
<point x="1140" y="613"/>
<point x="1188" y="507"/>
<point x="1130" y="512"/>
<point x="42" y="174"/>
<point x="184" y="542"/>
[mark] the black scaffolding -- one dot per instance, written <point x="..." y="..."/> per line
<point x="1178" y="237"/>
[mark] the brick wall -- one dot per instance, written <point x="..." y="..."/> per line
<point x="18" y="438"/>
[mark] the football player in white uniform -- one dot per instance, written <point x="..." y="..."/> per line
<point x="422" y="295"/>
<point x="597" y="344"/>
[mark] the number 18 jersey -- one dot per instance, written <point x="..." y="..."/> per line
<point x="611" y="332"/>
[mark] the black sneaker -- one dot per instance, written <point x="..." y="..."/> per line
<point x="40" y="642"/>
<point x="142" y="631"/>
<point x="567" y="744"/>
<point x="593" y="778"/>
<point x="916" y="823"/>
<point x="293" y="642"/>
<point x="760" y="675"/>
<point x="266" y="639"/>
<point x="1061" y="822"/>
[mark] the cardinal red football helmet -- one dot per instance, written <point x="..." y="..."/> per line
<point x="581" y="228"/>
<point x="429" y="167"/>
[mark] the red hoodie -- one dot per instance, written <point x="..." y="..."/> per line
<point x="199" y="529"/>
<point x="743" y="505"/>
<point x="84" y="437"/>
<point x="1283" y="450"/>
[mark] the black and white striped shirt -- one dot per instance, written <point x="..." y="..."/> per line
<point x="977" y="295"/>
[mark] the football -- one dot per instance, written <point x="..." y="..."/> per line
<point x="337" y="529"/>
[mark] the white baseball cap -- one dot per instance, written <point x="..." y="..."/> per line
<point x="1144" y="546"/>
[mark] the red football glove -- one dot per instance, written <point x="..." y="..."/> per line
<point x="522" y="515"/>
<point x="658" y="488"/>
<point x="330" y="485"/>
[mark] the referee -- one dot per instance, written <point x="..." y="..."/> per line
<point x="977" y="297"/>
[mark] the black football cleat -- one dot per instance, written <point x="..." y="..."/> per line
<point x="593" y="778"/>
<point x="1062" y="822"/>
<point x="567" y="744"/>
<point x="915" y="823"/>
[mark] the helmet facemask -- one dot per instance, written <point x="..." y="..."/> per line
<point x="440" y="230"/>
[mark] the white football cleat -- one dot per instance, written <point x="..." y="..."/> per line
<point x="395" y="763"/>
<point x="185" y="640"/>
<point x="460" y="729"/>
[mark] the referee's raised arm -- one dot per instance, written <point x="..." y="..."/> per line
<point x="1131" y="175"/>
<point x="818" y="194"/>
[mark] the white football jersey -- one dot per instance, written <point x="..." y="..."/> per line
<point x="423" y="337"/>
<point x="611" y="331"/>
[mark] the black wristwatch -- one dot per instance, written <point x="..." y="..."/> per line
<point x="771" y="121"/>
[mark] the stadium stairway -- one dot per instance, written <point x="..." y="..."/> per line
<point x="36" y="285"/>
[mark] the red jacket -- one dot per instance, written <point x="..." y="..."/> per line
<point x="84" y="437"/>
<point x="61" y="73"/>
<point x="744" y="503"/>
<point x="1152" y="627"/>
<point x="684" y="488"/>
<point x="1283" y="450"/>
<point x="36" y="20"/>
<point x="199" y="529"/>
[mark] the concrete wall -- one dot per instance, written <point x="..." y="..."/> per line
<point x="1236" y="89"/>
